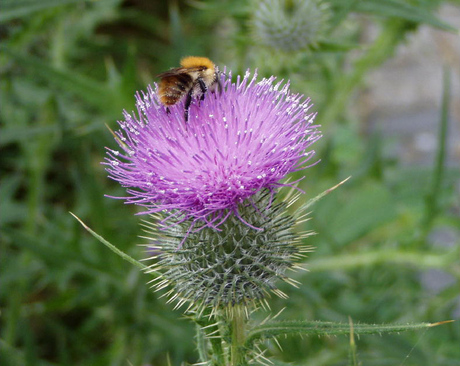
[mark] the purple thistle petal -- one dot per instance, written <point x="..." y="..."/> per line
<point x="235" y="143"/>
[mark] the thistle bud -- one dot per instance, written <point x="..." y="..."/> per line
<point x="289" y="25"/>
<point x="235" y="265"/>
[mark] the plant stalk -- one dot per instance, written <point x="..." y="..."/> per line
<point x="238" y="336"/>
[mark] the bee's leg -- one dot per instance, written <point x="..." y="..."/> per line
<point x="167" y="110"/>
<point x="188" y="100"/>
<point x="219" y="83"/>
<point x="203" y="87"/>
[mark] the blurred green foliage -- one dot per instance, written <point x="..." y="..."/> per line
<point x="69" y="68"/>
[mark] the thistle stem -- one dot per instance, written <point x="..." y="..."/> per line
<point x="238" y="336"/>
<point x="201" y="344"/>
<point x="207" y="328"/>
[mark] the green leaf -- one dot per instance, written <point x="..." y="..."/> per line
<point x="11" y="9"/>
<point x="432" y="198"/>
<point x="301" y="210"/>
<point x="14" y="134"/>
<point x="93" y="92"/>
<point x="336" y="46"/>
<point x="112" y="247"/>
<point x="12" y="210"/>
<point x="319" y="328"/>
<point x="364" y="210"/>
<point x="418" y="259"/>
<point x="403" y="10"/>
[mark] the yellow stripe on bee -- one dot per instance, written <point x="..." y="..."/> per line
<point x="194" y="61"/>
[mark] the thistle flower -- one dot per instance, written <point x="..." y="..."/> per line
<point x="235" y="144"/>
<point x="289" y="25"/>
<point x="219" y="237"/>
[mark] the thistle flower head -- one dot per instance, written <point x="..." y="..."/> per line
<point x="235" y="144"/>
<point x="219" y="238"/>
<point x="289" y="25"/>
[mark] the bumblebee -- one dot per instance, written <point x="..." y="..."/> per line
<point x="193" y="79"/>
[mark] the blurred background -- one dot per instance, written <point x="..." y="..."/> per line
<point x="384" y="78"/>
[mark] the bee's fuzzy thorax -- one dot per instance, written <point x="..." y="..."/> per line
<point x="194" y="61"/>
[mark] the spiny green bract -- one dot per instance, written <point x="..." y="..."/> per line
<point x="289" y="25"/>
<point x="237" y="265"/>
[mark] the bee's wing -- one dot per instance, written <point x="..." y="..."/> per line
<point x="177" y="71"/>
<point x="172" y="72"/>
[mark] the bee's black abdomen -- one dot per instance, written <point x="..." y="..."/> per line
<point x="174" y="87"/>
